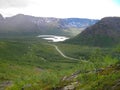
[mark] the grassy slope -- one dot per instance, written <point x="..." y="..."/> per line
<point x="26" y="62"/>
<point x="33" y="65"/>
<point x="107" y="73"/>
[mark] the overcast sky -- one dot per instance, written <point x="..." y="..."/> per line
<point x="94" y="9"/>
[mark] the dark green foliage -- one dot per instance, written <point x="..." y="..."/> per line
<point x="105" y="33"/>
<point x="32" y="64"/>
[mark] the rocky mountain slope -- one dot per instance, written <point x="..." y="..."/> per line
<point x="106" y="32"/>
<point x="76" y="22"/>
<point x="29" y="25"/>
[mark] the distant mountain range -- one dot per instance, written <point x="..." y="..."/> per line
<point x="106" y="32"/>
<point x="29" y="25"/>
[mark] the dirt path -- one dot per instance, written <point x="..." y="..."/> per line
<point x="63" y="55"/>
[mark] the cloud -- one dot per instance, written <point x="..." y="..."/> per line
<point x="61" y="8"/>
<point x="74" y="8"/>
<point x="13" y="3"/>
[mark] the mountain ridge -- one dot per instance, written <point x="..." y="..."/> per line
<point x="26" y="24"/>
<point x="105" y="32"/>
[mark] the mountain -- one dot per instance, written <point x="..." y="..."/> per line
<point x="76" y="22"/>
<point x="1" y="17"/>
<point x="106" y="32"/>
<point x="29" y="25"/>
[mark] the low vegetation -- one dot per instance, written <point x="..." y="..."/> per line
<point x="105" y="33"/>
<point x="31" y="64"/>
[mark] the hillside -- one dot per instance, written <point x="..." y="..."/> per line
<point x="37" y="65"/>
<point x="106" y="32"/>
<point x="29" y="25"/>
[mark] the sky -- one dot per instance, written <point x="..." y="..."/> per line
<point x="93" y="9"/>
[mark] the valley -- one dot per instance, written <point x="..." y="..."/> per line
<point x="35" y="64"/>
<point x="26" y="25"/>
<point x="57" y="61"/>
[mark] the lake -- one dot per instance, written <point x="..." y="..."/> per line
<point x="53" y="38"/>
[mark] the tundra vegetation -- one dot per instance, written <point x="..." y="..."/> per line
<point x="32" y="64"/>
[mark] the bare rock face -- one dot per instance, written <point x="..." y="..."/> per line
<point x="72" y="86"/>
<point x="5" y="84"/>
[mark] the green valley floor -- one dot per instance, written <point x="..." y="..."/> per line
<point x="34" y="64"/>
